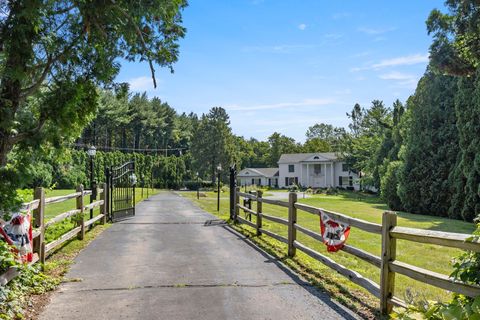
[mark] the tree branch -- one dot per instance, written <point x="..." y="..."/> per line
<point x="30" y="90"/>
<point x="64" y="10"/>
<point x="142" y="40"/>
<point x="23" y="135"/>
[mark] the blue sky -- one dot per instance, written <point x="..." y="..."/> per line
<point x="284" y="65"/>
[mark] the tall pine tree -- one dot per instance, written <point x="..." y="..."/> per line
<point x="456" y="51"/>
<point x="431" y="147"/>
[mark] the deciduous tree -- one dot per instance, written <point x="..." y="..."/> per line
<point x="55" y="53"/>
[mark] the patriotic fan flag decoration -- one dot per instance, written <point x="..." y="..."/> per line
<point x="18" y="234"/>
<point x="334" y="233"/>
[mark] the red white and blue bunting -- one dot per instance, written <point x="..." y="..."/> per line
<point x="334" y="233"/>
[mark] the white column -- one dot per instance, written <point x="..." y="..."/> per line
<point x="301" y="174"/>
<point x="308" y="175"/>
<point x="333" y="175"/>
<point x="325" y="174"/>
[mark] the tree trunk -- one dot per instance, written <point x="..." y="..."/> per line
<point x="213" y="172"/>
<point x="124" y="137"/>
<point x="5" y="148"/>
<point x="17" y="58"/>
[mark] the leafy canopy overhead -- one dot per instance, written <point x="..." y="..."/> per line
<point x="53" y="54"/>
<point x="456" y="46"/>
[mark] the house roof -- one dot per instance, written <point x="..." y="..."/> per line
<point x="300" y="157"/>
<point x="264" y="172"/>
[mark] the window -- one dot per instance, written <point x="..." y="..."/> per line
<point x="253" y="181"/>
<point x="345" y="181"/>
<point x="317" y="168"/>
<point x="345" y="167"/>
<point x="291" y="168"/>
<point x="316" y="158"/>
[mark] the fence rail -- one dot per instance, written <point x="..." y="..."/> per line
<point x="40" y="248"/>
<point x="387" y="262"/>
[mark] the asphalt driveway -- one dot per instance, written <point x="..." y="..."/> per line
<point x="175" y="261"/>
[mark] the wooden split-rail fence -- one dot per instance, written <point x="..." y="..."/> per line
<point x="387" y="262"/>
<point x="41" y="249"/>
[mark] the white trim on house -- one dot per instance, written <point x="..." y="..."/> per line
<point x="258" y="177"/>
<point x="315" y="170"/>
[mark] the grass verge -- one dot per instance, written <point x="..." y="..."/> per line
<point x="26" y="296"/>
<point x="366" y="207"/>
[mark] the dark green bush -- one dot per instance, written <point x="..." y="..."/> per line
<point x="331" y="191"/>
<point x="293" y="188"/>
<point x="389" y="185"/>
<point x="195" y="185"/>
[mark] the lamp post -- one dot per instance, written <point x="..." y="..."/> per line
<point x="198" y="186"/>
<point x="92" y="151"/>
<point x="219" y="169"/>
<point x="133" y="182"/>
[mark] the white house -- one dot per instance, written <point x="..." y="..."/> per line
<point x="315" y="170"/>
<point x="258" y="176"/>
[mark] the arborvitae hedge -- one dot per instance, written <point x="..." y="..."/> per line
<point x="73" y="169"/>
<point x="431" y="147"/>
<point x="466" y="198"/>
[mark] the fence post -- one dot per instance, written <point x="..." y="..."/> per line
<point x="259" y="212"/>
<point x="237" y="200"/>
<point x="389" y="249"/>
<point x="107" y="191"/>
<point x="81" y="220"/>
<point x="292" y="219"/>
<point x="93" y="197"/>
<point x="103" y="207"/>
<point x="249" y="204"/>
<point x="39" y="218"/>
<point x="233" y="175"/>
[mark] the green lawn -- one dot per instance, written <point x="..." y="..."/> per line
<point x="52" y="210"/>
<point x="369" y="208"/>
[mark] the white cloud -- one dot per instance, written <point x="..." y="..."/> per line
<point x="283" y="48"/>
<point x="302" y="26"/>
<point x="374" y="31"/>
<point x="395" y="75"/>
<point x="395" y="62"/>
<point x="400" y="79"/>
<point x="402" y="61"/>
<point x="141" y="84"/>
<point x="283" y="105"/>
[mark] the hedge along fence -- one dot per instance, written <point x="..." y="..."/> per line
<point x="387" y="262"/>
<point x="151" y="170"/>
<point x="41" y="249"/>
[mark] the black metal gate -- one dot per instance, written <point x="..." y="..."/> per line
<point x="122" y="182"/>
